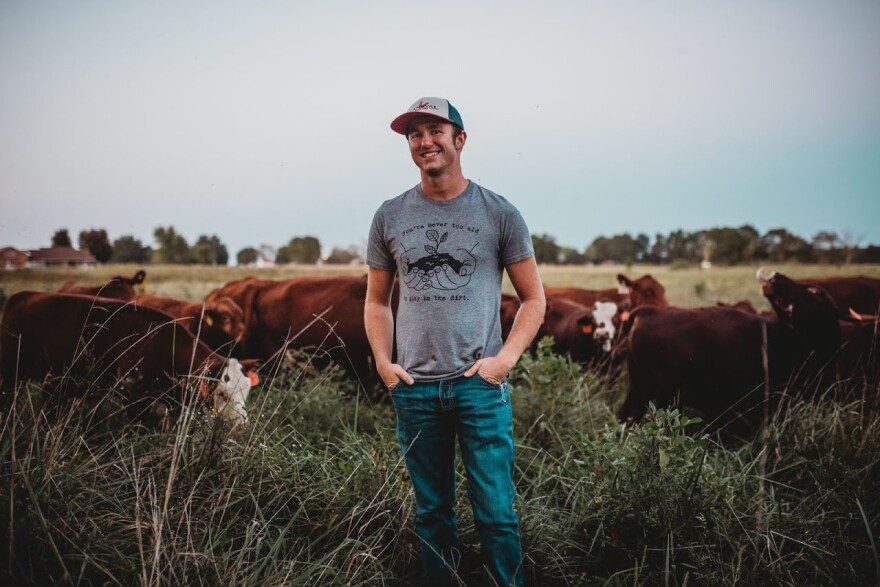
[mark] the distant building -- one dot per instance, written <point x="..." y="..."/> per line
<point x="61" y="256"/>
<point x="12" y="258"/>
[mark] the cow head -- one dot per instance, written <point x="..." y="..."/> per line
<point x="805" y="308"/>
<point x="231" y="392"/>
<point x="224" y="320"/>
<point x="644" y="291"/>
<point x="603" y="317"/>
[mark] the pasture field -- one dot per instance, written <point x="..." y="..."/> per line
<point x="312" y="490"/>
<point x="687" y="287"/>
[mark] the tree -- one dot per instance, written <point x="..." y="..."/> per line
<point x="779" y="246"/>
<point x="61" y="238"/>
<point x="247" y="256"/>
<point x="546" y="249"/>
<point x="127" y="249"/>
<point x="827" y="246"/>
<point x="681" y="245"/>
<point x="173" y="248"/>
<point x="208" y="250"/>
<point x="97" y="243"/>
<point x="347" y="256"/>
<point x="300" y="249"/>
<point x="571" y="256"/>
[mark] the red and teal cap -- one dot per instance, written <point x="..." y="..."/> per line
<point x="436" y="107"/>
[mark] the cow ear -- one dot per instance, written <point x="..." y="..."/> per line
<point x="624" y="280"/>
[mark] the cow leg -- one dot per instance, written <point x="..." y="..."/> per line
<point x="636" y="403"/>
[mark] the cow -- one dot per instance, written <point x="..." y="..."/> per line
<point x="860" y="293"/>
<point x="711" y="358"/>
<point x="644" y="291"/>
<point x="219" y="323"/>
<point x="323" y="315"/>
<point x="118" y="288"/>
<point x="742" y="305"/>
<point x="73" y="337"/>
<point x="577" y="331"/>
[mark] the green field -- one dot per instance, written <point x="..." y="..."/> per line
<point x="684" y="287"/>
<point x="312" y="490"/>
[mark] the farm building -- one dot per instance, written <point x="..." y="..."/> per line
<point x="12" y="258"/>
<point x="59" y="256"/>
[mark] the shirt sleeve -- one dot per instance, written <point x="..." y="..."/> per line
<point x="378" y="255"/>
<point x="516" y="241"/>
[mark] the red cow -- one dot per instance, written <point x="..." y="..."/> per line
<point x="218" y="323"/>
<point x="644" y="291"/>
<point x="711" y="358"/>
<point x="118" y="288"/>
<point x="321" y="314"/>
<point x="105" y="341"/>
<point x="860" y="293"/>
<point x="570" y="324"/>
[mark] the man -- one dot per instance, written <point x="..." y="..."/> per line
<point x="448" y="241"/>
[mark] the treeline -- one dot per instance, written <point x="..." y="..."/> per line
<point x="718" y="246"/>
<point x="171" y="247"/>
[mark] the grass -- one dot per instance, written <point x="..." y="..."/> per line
<point x="312" y="491"/>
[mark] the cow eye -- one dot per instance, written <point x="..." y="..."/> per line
<point x="226" y="378"/>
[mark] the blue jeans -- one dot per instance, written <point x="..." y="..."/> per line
<point x="429" y="417"/>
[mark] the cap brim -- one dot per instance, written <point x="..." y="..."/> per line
<point x="400" y="124"/>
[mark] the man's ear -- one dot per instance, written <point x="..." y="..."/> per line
<point x="460" y="140"/>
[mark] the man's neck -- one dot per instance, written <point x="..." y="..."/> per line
<point x="444" y="187"/>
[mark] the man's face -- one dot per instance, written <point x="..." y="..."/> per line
<point x="434" y="145"/>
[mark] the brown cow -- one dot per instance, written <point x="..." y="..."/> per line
<point x="644" y="291"/>
<point x="322" y="314"/>
<point x="743" y="306"/>
<point x="218" y="323"/>
<point x="105" y="341"/>
<point x="711" y="358"/>
<point x="570" y="324"/>
<point x="118" y="288"/>
<point x="860" y="293"/>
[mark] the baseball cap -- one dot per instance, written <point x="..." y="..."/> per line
<point x="436" y="107"/>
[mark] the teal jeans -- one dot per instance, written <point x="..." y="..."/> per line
<point x="430" y="416"/>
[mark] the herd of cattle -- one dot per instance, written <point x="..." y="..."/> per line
<point x="716" y="359"/>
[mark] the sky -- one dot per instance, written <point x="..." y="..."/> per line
<point x="260" y="121"/>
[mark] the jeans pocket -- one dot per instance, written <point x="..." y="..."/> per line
<point x="487" y="382"/>
<point x="502" y="388"/>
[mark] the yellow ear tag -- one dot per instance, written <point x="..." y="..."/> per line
<point x="209" y="321"/>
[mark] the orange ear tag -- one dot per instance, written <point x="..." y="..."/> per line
<point x="203" y="388"/>
<point x="587" y="328"/>
<point x="255" y="379"/>
<point x="624" y="316"/>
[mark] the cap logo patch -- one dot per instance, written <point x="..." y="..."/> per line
<point x="424" y="106"/>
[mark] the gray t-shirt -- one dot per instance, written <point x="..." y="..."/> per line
<point x="449" y="257"/>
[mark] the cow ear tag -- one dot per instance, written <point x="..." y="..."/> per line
<point x="209" y="321"/>
<point x="624" y="316"/>
<point x="255" y="379"/>
<point x="203" y="388"/>
<point x="587" y="328"/>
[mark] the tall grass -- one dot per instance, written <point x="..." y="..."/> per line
<point x="312" y="491"/>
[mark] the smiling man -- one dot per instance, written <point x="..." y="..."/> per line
<point x="448" y="240"/>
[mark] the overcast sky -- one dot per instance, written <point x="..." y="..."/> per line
<point x="259" y="121"/>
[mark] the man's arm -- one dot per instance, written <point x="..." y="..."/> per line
<point x="527" y="282"/>
<point x="379" y="323"/>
